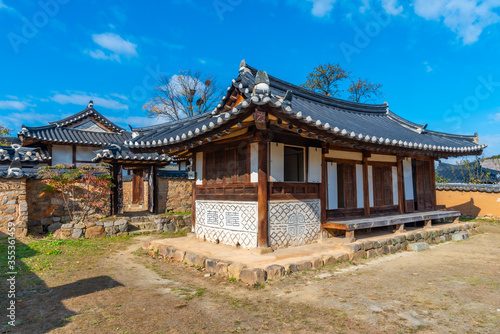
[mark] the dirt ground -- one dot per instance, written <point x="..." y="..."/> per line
<point x="452" y="288"/>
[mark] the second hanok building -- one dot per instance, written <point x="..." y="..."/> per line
<point x="277" y="165"/>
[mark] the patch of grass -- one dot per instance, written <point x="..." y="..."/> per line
<point x="178" y="213"/>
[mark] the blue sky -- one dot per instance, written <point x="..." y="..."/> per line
<point x="437" y="60"/>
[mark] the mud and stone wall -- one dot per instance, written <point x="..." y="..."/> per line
<point x="480" y="204"/>
<point x="174" y="195"/>
<point x="13" y="206"/>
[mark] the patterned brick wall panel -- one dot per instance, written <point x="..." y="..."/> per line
<point x="229" y="223"/>
<point x="294" y="223"/>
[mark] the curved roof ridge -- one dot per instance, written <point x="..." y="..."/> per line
<point x="82" y="114"/>
<point x="166" y="124"/>
<point x="321" y="98"/>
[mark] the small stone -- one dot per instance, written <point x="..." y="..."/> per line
<point x="211" y="265"/>
<point x="343" y="257"/>
<point x="120" y="222"/>
<point x="54" y="227"/>
<point x="459" y="236"/>
<point x="77" y="233"/>
<point x="145" y="244"/>
<point x="95" y="232"/>
<point x="353" y="247"/>
<point x="317" y="263"/>
<point x="56" y="219"/>
<point x="329" y="260"/>
<point x="371" y="253"/>
<point x="253" y="275"/>
<point x="79" y="225"/>
<point x="68" y="225"/>
<point x="418" y="246"/>
<point x="222" y="268"/>
<point x="207" y="275"/>
<point x="162" y="250"/>
<point x="275" y="271"/>
<point x="109" y="223"/>
<point x="235" y="269"/>
<point x="179" y="256"/>
<point x="358" y="255"/>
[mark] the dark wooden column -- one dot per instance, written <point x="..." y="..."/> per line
<point x="323" y="185"/>
<point x="366" y="188"/>
<point x="193" y="194"/>
<point x="117" y="190"/>
<point x="433" y="183"/>
<point x="152" y="190"/>
<point x="401" y="189"/>
<point x="263" y="231"/>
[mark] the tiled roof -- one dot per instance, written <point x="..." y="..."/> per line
<point x="87" y="112"/>
<point x="373" y="124"/>
<point x="489" y="188"/>
<point x="16" y="152"/>
<point x="116" y="152"/>
<point x="55" y="134"/>
<point x="173" y="174"/>
<point x="463" y="174"/>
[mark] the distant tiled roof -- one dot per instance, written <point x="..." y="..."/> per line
<point x="371" y="124"/>
<point x="489" y="188"/>
<point x="462" y="174"/>
<point x="55" y="134"/>
<point x="173" y="174"/>
<point x="116" y="152"/>
<point x="16" y="152"/>
<point x="11" y="140"/>
<point x="89" y="111"/>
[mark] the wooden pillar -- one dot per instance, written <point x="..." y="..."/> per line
<point x="323" y="186"/>
<point x="401" y="189"/>
<point x="400" y="228"/>
<point x="152" y="190"/>
<point x="117" y="190"/>
<point x="193" y="195"/>
<point x="433" y="184"/>
<point x="366" y="188"/>
<point x="263" y="231"/>
<point x="428" y="223"/>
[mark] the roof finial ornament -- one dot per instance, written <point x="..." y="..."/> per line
<point x="243" y="64"/>
<point x="91" y="104"/>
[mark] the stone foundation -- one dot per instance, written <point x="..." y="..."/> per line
<point x="175" y="195"/>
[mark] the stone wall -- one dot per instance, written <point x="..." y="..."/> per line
<point x="471" y="200"/>
<point x="13" y="206"/>
<point x="174" y="195"/>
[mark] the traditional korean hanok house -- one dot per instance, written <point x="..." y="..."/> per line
<point x="276" y="165"/>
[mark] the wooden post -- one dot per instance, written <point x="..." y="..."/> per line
<point x="400" y="228"/>
<point x="322" y="186"/>
<point x="401" y="189"/>
<point x="263" y="231"/>
<point x="366" y="189"/>
<point x="433" y="184"/>
<point x="152" y="190"/>
<point x="117" y="190"/>
<point x="193" y="195"/>
<point x="349" y="235"/>
<point x="428" y="223"/>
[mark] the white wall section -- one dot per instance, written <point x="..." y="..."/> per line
<point x="359" y="186"/>
<point x="408" y="177"/>
<point x="333" y="202"/>
<point x="199" y="168"/>
<point x="395" y="189"/>
<point x="254" y="162"/>
<point x="276" y="162"/>
<point x="62" y="154"/>
<point x="370" y="185"/>
<point x="314" y="165"/>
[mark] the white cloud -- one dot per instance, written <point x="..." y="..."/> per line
<point x="31" y="118"/>
<point x="83" y="99"/>
<point x="14" y="105"/>
<point x="467" y="18"/>
<point x="115" y="44"/>
<point x="392" y="7"/>
<point x="493" y="142"/>
<point x="428" y="67"/>
<point x="4" y="6"/>
<point x="137" y="121"/>
<point x="322" y="8"/>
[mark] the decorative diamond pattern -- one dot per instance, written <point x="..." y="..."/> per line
<point x="243" y="223"/>
<point x="293" y="223"/>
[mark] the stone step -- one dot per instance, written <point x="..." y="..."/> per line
<point x="139" y="226"/>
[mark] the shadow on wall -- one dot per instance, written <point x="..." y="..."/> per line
<point x="467" y="209"/>
<point x="37" y="308"/>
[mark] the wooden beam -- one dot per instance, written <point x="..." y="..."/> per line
<point x="322" y="187"/>
<point x="263" y="230"/>
<point x="433" y="184"/>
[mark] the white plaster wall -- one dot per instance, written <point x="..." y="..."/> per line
<point x="183" y="165"/>
<point x="226" y="222"/>
<point x="199" y="168"/>
<point x="254" y="162"/>
<point x="276" y="158"/>
<point x="408" y="177"/>
<point x="62" y="154"/>
<point x="293" y="223"/>
<point x="332" y="195"/>
<point x="370" y="185"/>
<point x="359" y="187"/>
<point x="314" y="165"/>
<point x="85" y="153"/>
<point x="344" y="155"/>
<point x="395" y="189"/>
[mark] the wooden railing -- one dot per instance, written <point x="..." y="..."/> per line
<point x="287" y="190"/>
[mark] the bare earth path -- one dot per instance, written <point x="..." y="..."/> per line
<point x="453" y="288"/>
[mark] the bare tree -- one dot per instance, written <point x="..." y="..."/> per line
<point x="325" y="79"/>
<point x="364" y="91"/>
<point x="183" y="95"/>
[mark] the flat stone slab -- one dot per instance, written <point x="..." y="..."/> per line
<point x="460" y="236"/>
<point x="418" y="246"/>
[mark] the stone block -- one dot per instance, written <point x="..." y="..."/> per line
<point x="343" y="257"/>
<point x="211" y="265"/>
<point x="68" y="225"/>
<point x="368" y="245"/>
<point x="418" y="246"/>
<point x="123" y="227"/>
<point x="353" y="247"/>
<point x="46" y="221"/>
<point x="56" y="219"/>
<point x="253" y="275"/>
<point x="410" y="237"/>
<point x="89" y="224"/>
<point x="235" y="269"/>
<point x="442" y="238"/>
<point x="304" y="265"/>
<point x="109" y="223"/>
<point x="329" y="260"/>
<point x="77" y="233"/>
<point x="179" y="256"/>
<point x="398" y="248"/>
<point x="79" y="225"/>
<point x="162" y="250"/>
<point x="275" y="272"/>
<point x="95" y="232"/>
<point x="170" y="252"/>
<point x="358" y="255"/>
<point x="170" y="227"/>
<point x="222" y="268"/>
<point x="23" y="206"/>
<point x="371" y="253"/>
<point x="317" y="263"/>
<point x="459" y="236"/>
<point x="54" y="227"/>
<point x="120" y="222"/>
